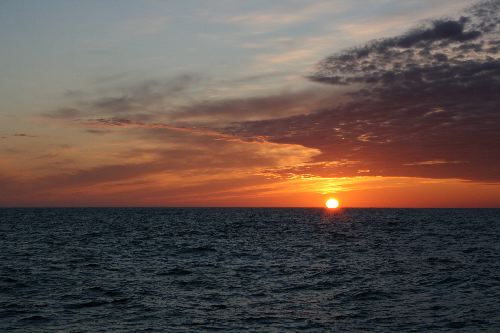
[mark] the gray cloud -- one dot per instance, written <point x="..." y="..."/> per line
<point x="177" y="101"/>
<point x="64" y="113"/>
<point x="140" y="101"/>
<point x="431" y="94"/>
<point x="97" y="131"/>
<point x="142" y="96"/>
<point x="257" y="108"/>
<point x="24" y="135"/>
<point x="451" y="43"/>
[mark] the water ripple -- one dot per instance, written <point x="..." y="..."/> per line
<point x="280" y="270"/>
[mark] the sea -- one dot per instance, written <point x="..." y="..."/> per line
<point x="249" y="270"/>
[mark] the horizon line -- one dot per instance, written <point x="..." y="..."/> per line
<point x="240" y="207"/>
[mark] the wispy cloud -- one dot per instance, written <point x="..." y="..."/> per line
<point x="280" y="17"/>
<point x="434" y="162"/>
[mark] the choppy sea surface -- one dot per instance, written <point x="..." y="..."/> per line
<point x="247" y="269"/>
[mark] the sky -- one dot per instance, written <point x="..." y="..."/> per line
<point x="379" y="103"/>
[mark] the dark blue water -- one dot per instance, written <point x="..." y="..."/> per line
<point x="359" y="270"/>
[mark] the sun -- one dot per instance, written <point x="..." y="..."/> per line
<point x="332" y="203"/>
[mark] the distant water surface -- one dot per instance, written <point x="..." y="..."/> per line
<point x="157" y="270"/>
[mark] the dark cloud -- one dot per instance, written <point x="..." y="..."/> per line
<point x="452" y="42"/>
<point x="153" y="130"/>
<point x="140" y="97"/>
<point x="256" y="108"/>
<point x="64" y="113"/>
<point x="24" y="135"/>
<point x="149" y="102"/>
<point x="113" y="121"/>
<point x="432" y="94"/>
<point x="140" y="101"/>
<point x="97" y="131"/>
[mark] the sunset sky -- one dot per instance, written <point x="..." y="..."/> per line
<point x="379" y="103"/>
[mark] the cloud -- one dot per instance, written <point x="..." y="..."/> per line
<point x="442" y="42"/>
<point x="430" y="94"/>
<point x="140" y="101"/>
<point x="64" y="113"/>
<point x="422" y="104"/>
<point x="263" y="21"/>
<point x="24" y="135"/>
<point x="434" y="162"/>
<point x="175" y="101"/>
<point x="97" y="131"/>
<point x="256" y="107"/>
<point x="141" y="97"/>
<point x="174" y="160"/>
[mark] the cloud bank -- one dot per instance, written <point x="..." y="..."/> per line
<point x="432" y="94"/>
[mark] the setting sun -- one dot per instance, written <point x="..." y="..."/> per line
<point x="332" y="203"/>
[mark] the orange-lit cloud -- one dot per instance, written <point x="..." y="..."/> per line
<point x="406" y="121"/>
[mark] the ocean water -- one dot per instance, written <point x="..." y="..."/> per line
<point x="271" y="270"/>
